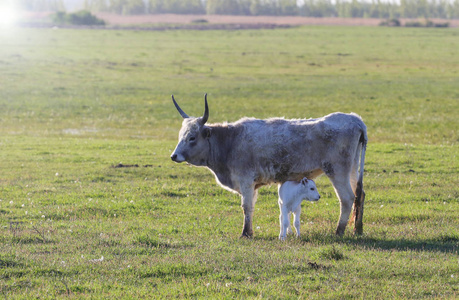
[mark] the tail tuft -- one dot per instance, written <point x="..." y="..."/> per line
<point x="359" y="192"/>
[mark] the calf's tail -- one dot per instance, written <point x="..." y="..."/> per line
<point x="359" y="192"/>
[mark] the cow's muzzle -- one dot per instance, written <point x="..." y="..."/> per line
<point x="177" y="158"/>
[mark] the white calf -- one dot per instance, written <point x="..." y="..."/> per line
<point x="291" y="193"/>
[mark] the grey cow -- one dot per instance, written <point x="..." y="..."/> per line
<point x="250" y="153"/>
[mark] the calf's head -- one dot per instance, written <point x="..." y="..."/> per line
<point x="309" y="190"/>
<point x="193" y="144"/>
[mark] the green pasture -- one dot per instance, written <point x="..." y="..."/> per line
<point x="75" y="105"/>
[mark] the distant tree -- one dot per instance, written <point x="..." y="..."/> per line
<point x="193" y="7"/>
<point x="156" y="6"/>
<point x="59" y="5"/>
<point x="408" y="9"/>
<point x="270" y="7"/>
<point x="95" y="5"/>
<point x="126" y="7"/>
<point x="82" y="17"/>
<point x="255" y="7"/>
<point x="422" y="9"/>
<point x="375" y="9"/>
<point x="439" y="9"/>
<point x="387" y="10"/>
<point x="176" y="6"/>
<point x="382" y="9"/>
<point x="320" y="8"/>
<point x="454" y="10"/>
<point x="288" y="7"/>
<point x="356" y="9"/>
<point x="244" y="7"/>
<point x="222" y="7"/>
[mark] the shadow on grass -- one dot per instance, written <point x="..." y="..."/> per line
<point x="446" y="244"/>
<point x="443" y="243"/>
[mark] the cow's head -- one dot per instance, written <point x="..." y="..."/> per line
<point x="193" y="145"/>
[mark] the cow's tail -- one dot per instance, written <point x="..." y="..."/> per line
<point x="359" y="192"/>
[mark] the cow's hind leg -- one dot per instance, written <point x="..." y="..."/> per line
<point x="249" y="197"/>
<point x="346" y="196"/>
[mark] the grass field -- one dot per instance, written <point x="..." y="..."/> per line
<point x="74" y="104"/>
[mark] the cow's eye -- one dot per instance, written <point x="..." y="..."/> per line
<point x="312" y="189"/>
<point x="192" y="139"/>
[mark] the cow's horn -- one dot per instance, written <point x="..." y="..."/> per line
<point x="182" y="113"/>
<point x="206" y="112"/>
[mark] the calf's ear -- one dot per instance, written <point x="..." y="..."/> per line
<point x="206" y="132"/>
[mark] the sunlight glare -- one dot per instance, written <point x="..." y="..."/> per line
<point x="8" y="14"/>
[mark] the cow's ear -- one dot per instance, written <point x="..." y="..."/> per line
<point x="206" y="132"/>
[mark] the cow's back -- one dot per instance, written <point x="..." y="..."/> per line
<point x="277" y="149"/>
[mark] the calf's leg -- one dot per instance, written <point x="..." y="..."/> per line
<point x="284" y="221"/>
<point x="289" y="228"/>
<point x="296" y="220"/>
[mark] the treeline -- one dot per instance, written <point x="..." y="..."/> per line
<point x="38" y="5"/>
<point x="447" y="9"/>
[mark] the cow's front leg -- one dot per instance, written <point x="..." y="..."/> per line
<point x="249" y="197"/>
<point x="346" y="197"/>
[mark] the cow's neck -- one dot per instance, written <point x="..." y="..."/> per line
<point x="218" y="147"/>
<point x="220" y="144"/>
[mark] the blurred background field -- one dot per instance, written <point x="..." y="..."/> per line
<point x="92" y="207"/>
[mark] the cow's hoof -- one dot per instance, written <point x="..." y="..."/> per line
<point x="339" y="232"/>
<point x="340" y="229"/>
<point x="246" y="235"/>
<point x="358" y="231"/>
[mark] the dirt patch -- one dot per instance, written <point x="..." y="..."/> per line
<point x="206" y="22"/>
<point x="131" y="166"/>
<point x="161" y="27"/>
<point x="241" y="20"/>
<point x="262" y="21"/>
